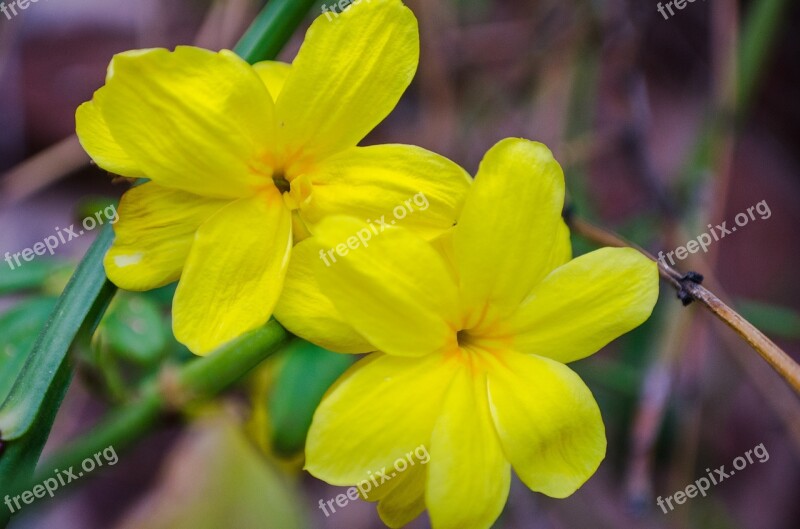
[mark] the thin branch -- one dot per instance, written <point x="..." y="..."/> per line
<point x="689" y="288"/>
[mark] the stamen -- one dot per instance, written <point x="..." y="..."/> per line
<point x="281" y="183"/>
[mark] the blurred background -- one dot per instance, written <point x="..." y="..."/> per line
<point x="663" y="126"/>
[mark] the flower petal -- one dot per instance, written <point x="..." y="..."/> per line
<point x="234" y="273"/>
<point x="511" y="228"/>
<point x="274" y="75"/>
<point x="585" y="304"/>
<point x="410" y="186"/>
<point x="96" y="140"/>
<point x="391" y="286"/>
<point x="154" y="234"/>
<point x="347" y="77"/>
<point x="380" y="410"/>
<point x="406" y="501"/>
<point x="468" y="474"/>
<point x="306" y="312"/>
<point x="192" y="119"/>
<point x="548" y="421"/>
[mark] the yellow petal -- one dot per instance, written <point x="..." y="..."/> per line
<point x="96" y="140"/>
<point x="391" y="286"/>
<point x="585" y="304"/>
<point x="403" y="185"/>
<point x="234" y="273"/>
<point x="192" y="119"/>
<point x="347" y="77"/>
<point x="406" y="501"/>
<point x="154" y="234"/>
<point x="306" y="312"/>
<point x="468" y="475"/>
<point x="382" y="409"/>
<point x="274" y="75"/>
<point x="511" y="230"/>
<point x="548" y="421"/>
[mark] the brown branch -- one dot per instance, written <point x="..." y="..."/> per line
<point x="689" y="288"/>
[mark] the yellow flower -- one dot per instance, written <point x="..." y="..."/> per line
<point x="242" y="160"/>
<point x="474" y="338"/>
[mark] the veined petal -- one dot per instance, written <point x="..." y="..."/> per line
<point x="154" y="234"/>
<point x="349" y="74"/>
<point x="380" y="410"/>
<point x="306" y="312"/>
<point x="510" y="231"/>
<point x="585" y="304"/>
<point x="548" y="421"/>
<point x="406" y="501"/>
<point x="192" y="119"/>
<point x="274" y="75"/>
<point x="234" y="273"/>
<point x="468" y="474"/>
<point x="96" y="140"/>
<point x="391" y="286"/>
<point x="410" y="186"/>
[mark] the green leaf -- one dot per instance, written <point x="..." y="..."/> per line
<point x="19" y="328"/>
<point x="29" y="276"/>
<point x="79" y="307"/>
<point x="304" y="378"/>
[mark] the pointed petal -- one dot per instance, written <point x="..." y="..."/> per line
<point x="192" y="119"/>
<point x="380" y="410"/>
<point x="274" y="75"/>
<point x="468" y="475"/>
<point x="510" y="230"/>
<point x="96" y="140"/>
<point x="234" y="273"/>
<point x="602" y="294"/>
<point x="154" y="234"/>
<point x="412" y="187"/>
<point x="391" y="286"/>
<point x="347" y="77"/>
<point x="308" y="313"/>
<point x="406" y="501"/>
<point x="548" y="421"/>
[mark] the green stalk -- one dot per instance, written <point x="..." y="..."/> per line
<point x="759" y="33"/>
<point x="758" y="37"/>
<point x="265" y="39"/>
<point x="194" y="381"/>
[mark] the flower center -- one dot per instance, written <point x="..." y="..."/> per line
<point x="464" y="339"/>
<point x="280" y="181"/>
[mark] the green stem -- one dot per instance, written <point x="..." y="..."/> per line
<point x="197" y="380"/>
<point x="265" y="39"/>
<point x="761" y="29"/>
<point x="758" y="36"/>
